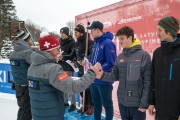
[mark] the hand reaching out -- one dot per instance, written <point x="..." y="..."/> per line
<point x="99" y="74"/>
<point x="59" y="57"/>
<point x="97" y="69"/>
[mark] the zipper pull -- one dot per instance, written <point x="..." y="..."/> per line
<point x="170" y="73"/>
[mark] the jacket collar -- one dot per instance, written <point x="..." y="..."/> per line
<point x="106" y="35"/>
<point x="136" y="45"/>
<point x="169" y="47"/>
<point x="69" y="39"/>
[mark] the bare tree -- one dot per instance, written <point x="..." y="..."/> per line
<point x="71" y="25"/>
<point x="55" y="34"/>
<point x="34" y="29"/>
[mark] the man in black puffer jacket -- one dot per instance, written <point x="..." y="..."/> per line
<point x="80" y="48"/>
<point x="165" y="89"/>
<point x="67" y="44"/>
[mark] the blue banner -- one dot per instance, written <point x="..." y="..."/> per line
<point x="6" y="78"/>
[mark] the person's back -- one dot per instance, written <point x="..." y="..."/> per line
<point x="48" y="81"/>
<point x="47" y="102"/>
<point x="20" y="62"/>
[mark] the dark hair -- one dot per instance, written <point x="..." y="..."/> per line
<point x="170" y="33"/>
<point x="80" y="28"/>
<point x="100" y="30"/>
<point x="127" y="31"/>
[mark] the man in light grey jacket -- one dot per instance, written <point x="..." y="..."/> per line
<point x="132" y="69"/>
<point x="48" y="81"/>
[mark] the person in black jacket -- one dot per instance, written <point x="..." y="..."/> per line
<point x="165" y="89"/>
<point x="67" y="43"/>
<point x="80" y="48"/>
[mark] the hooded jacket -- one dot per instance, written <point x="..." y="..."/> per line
<point x="165" y="88"/>
<point x="80" y="47"/>
<point x="132" y="69"/>
<point x="20" y="62"/>
<point x="67" y="46"/>
<point x="47" y="82"/>
<point x="104" y="52"/>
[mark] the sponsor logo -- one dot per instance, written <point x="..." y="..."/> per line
<point x="15" y="62"/>
<point x="34" y="84"/>
<point x="132" y="19"/>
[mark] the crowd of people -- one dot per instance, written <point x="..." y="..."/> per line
<point x="44" y="83"/>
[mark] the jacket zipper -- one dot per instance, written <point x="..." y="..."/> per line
<point x="95" y="54"/>
<point x="126" y="80"/>
<point x="129" y="69"/>
<point x="171" y="69"/>
<point x="170" y="73"/>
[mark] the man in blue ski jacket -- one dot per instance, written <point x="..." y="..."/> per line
<point x="104" y="52"/>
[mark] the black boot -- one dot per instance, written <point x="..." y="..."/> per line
<point x="72" y="108"/>
<point x="66" y="104"/>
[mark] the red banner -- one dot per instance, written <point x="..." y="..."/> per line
<point x="141" y="15"/>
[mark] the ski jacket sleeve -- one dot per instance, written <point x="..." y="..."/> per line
<point x="62" y="81"/>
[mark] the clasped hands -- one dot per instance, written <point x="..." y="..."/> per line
<point x="97" y="68"/>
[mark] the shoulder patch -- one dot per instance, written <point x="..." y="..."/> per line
<point x="34" y="84"/>
<point x="63" y="76"/>
<point x="15" y="62"/>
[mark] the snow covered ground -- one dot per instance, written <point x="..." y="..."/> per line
<point x="8" y="107"/>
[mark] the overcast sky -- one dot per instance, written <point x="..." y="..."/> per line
<point x="53" y="14"/>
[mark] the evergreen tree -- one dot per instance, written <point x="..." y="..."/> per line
<point x="7" y="14"/>
<point x="7" y="48"/>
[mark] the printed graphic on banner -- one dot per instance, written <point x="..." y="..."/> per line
<point x="141" y="15"/>
<point x="6" y="78"/>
